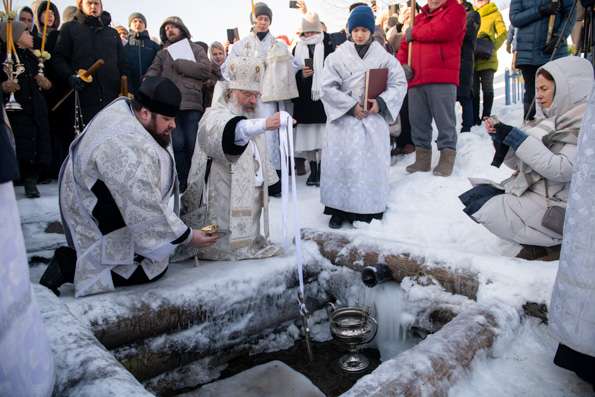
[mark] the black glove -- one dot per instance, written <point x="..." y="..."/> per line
<point x="502" y="131"/>
<point x="76" y="83"/>
<point x="409" y="35"/>
<point x="549" y="9"/>
<point x="500" y="155"/>
<point x="408" y="72"/>
<point x="550" y="46"/>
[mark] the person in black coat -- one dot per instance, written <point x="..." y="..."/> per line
<point x="61" y="120"/>
<point x="308" y="111"/>
<point x="29" y="125"/>
<point x="464" y="91"/>
<point x="140" y="50"/>
<point x="83" y="41"/>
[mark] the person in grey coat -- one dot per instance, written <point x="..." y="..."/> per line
<point x="542" y="156"/>
<point x="572" y="309"/>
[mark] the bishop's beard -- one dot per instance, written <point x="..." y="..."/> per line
<point x="240" y="110"/>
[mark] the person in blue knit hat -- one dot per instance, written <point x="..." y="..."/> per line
<point x="354" y="183"/>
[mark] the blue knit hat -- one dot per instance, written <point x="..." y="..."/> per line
<point x="361" y="16"/>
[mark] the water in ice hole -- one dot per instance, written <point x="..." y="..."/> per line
<point x="386" y="303"/>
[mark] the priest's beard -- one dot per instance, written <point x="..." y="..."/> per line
<point x="241" y="110"/>
<point x="163" y="138"/>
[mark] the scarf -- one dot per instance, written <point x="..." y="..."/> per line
<point x="563" y="128"/>
<point x="302" y="52"/>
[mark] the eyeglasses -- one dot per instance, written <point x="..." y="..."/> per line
<point x="250" y="94"/>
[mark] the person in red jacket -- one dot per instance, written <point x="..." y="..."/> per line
<point x="436" y="38"/>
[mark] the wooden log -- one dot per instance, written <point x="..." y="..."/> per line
<point x="342" y="251"/>
<point x="434" y="365"/>
<point x="83" y="366"/>
<point x="147" y="321"/>
<point x="218" y="334"/>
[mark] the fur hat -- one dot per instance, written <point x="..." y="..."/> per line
<point x="310" y="23"/>
<point x="17" y="30"/>
<point x="138" y="15"/>
<point x="159" y="95"/>
<point x="363" y="17"/>
<point x="263" y="9"/>
<point x="176" y="21"/>
<point x="245" y="73"/>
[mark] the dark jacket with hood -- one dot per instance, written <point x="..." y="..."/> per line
<point x="30" y="125"/>
<point x="305" y="110"/>
<point x="468" y="51"/>
<point x="188" y="76"/>
<point x="81" y="43"/>
<point x="140" y="53"/>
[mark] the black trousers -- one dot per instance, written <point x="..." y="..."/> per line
<point x="528" y="72"/>
<point x="483" y="81"/>
<point x="405" y="137"/>
<point x="66" y="257"/>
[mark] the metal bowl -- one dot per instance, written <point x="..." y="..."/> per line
<point x="353" y="325"/>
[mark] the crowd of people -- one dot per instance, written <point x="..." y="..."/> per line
<point x="169" y="157"/>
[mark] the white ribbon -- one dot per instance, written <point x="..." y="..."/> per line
<point x="287" y="161"/>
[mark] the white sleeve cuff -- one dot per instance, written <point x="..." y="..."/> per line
<point x="247" y="129"/>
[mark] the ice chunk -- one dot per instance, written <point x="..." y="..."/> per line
<point x="272" y="379"/>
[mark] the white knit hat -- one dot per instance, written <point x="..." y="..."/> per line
<point x="310" y="23"/>
<point x="245" y="73"/>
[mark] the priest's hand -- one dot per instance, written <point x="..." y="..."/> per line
<point x="201" y="239"/>
<point x="359" y="112"/>
<point x="273" y="122"/>
<point x="375" y="108"/>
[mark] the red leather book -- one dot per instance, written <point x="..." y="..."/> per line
<point x="376" y="81"/>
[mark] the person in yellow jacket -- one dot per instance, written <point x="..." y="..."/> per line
<point x="492" y="27"/>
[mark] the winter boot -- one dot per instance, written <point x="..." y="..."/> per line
<point x="336" y="222"/>
<point x="446" y="163"/>
<point x="31" y="190"/>
<point x="60" y="270"/>
<point x="532" y="252"/>
<point x="314" y="178"/>
<point x="300" y="166"/>
<point x="423" y="161"/>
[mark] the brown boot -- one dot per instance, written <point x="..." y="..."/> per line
<point x="446" y="163"/>
<point x="532" y="252"/>
<point x="423" y="161"/>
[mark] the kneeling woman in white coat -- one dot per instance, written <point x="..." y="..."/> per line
<point x="528" y="208"/>
<point x="354" y="182"/>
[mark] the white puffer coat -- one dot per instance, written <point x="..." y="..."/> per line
<point x="548" y="154"/>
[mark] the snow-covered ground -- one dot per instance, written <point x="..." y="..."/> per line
<point x="425" y="216"/>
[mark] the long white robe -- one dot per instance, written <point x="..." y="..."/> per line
<point x="27" y="365"/>
<point x="251" y="46"/>
<point x="356" y="153"/>
<point x="572" y="310"/>
<point x="140" y="176"/>
<point x="231" y="199"/>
